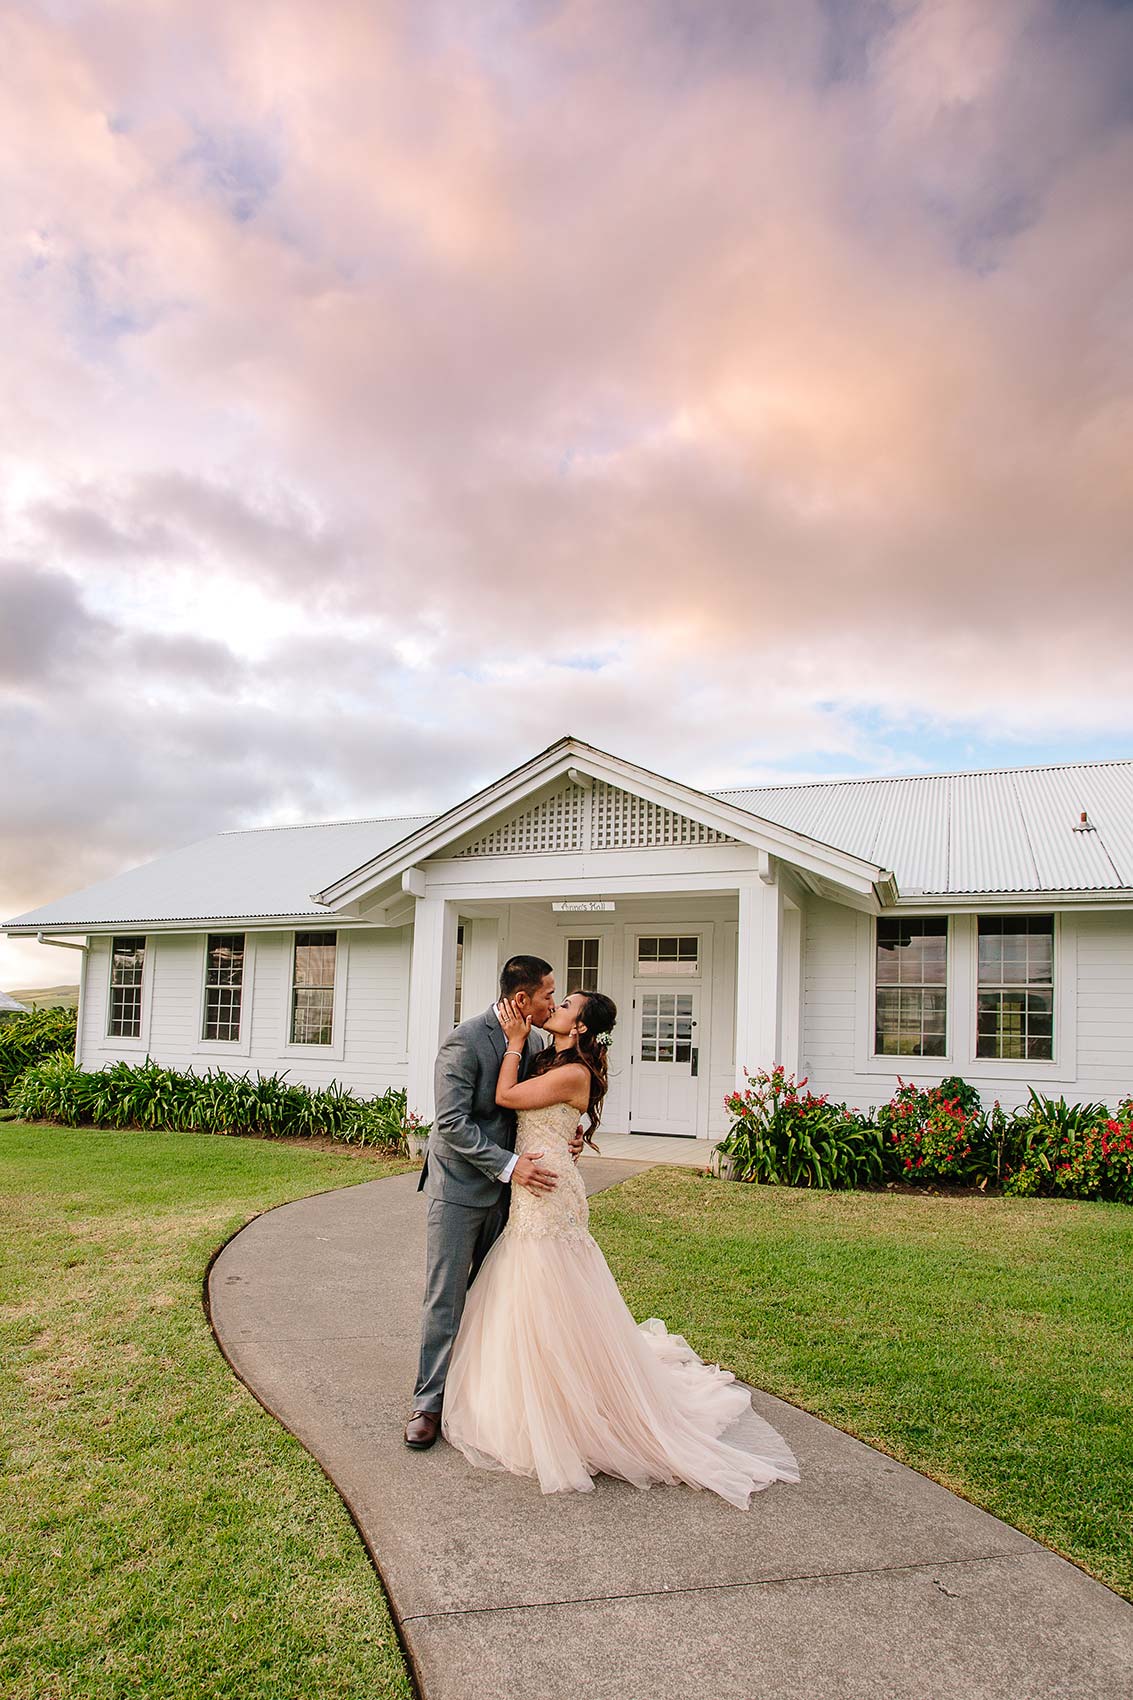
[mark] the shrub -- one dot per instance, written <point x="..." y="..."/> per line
<point x="27" y="1039"/>
<point x="387" y="1121"/>
<point x="784" y="1135"/>
<point x="934" y="1133"/>
<point x="146" y="1095"/>
<point x="1072" y="1151"/>
<point x="1049" y="1148"/>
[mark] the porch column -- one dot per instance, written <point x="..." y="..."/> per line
<point x="432" y="988"/>
<point x="758" y="951"/>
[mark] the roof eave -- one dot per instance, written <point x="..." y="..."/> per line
<point x="178" y="924"/>
<point x="1094" y="897"/>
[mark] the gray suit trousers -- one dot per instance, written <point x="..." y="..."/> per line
<point x="458" y="1238"/>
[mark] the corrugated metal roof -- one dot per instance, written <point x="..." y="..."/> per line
<point x="1009" y="830"/>
<point x="264" y="873"/>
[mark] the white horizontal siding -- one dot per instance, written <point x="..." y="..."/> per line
<point x="1105" y="1006"/>
<point x="375" y="961"/>
<point x="1097" y="1064"/>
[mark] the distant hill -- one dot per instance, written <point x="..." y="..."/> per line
<point x="46" y="997"/>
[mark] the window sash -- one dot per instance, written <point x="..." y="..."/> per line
<point x="668" y="955"/>
<point x="127" y="964"/>
<point x="911" y="986"/>
<point x="224" y="986"/>
<point x="1015" y="987"/>
<point x="314" y="962"/>
<point x="583" y="960"/>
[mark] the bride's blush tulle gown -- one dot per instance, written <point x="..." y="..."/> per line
<point x="551" y="1376"/>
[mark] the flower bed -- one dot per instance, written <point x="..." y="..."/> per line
<point x="145" y="1095"/>
<point x="940" y="1136"/>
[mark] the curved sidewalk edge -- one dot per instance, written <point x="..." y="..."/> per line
<point x="865" y="1580"/>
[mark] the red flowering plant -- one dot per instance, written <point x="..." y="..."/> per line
<point x="784" y="1135"/>
<point x="1074" y="1151"/>
<point x="933" y="1133"/>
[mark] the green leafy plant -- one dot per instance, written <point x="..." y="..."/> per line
<point x="148" y="1095"/>
<point x="387" y="1121"/>
<point x="783" y="1135"/>
<point x="933" y="1133"/>
<point x="27" y="1039"/>
<point x="1072" y="1151"/>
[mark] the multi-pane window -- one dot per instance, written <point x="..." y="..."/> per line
<point x="312" y="988"/>
<point x="666" y="1027"/>
<point x="126" y="963"/>
<point x="458" y="994"/>
<point x="582" y="965"/>
<point x="1015" y="993"/>
<point x="912" y="990"/>
<point x="224" y="980"/>
<point x="670" y="956"/>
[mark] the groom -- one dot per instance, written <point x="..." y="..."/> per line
<point x="469" y="1166"/>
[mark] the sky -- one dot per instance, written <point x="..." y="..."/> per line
<point x="389" y="389"/>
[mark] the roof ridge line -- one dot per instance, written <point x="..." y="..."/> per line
<point x="950" y="773"/>
<point x="314" y="825"/>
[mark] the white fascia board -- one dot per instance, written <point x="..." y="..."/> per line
<point x="559" y="761"/>
<point x="988" y="902"/>
<point x="455" y="823"/>
<point x="207" y="923"/>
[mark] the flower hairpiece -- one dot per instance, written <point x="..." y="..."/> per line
<point x="602" y="1039"/>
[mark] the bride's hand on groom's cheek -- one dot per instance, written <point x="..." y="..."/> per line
<point x="515" y="1024"/>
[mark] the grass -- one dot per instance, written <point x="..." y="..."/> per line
<point x="164" y="1536"/>
<point x="987" y="1342"/>
<point x="46" y="997"/>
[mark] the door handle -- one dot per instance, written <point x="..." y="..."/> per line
<point x="694" y="1057"/>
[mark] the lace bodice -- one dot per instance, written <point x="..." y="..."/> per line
<point x="563" y="1213"/>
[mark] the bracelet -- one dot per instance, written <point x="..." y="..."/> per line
<point x="513" y="1054"/>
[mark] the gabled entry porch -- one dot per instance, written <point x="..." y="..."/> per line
<point x="670" y="962"/>
<point x="685" y="909"/>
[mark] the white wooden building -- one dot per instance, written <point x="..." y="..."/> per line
<point x="978" y="924"/>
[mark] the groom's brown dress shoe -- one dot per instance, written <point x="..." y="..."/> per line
<point x="422" y="1429"/>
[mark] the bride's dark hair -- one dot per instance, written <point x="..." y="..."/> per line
<point x="598" y="1015"/>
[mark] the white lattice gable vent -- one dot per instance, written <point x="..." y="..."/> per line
<point x="603" y="817"/>
<point x="555" y="823"/>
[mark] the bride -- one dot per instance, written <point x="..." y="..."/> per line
<point x="550" y="1376"/>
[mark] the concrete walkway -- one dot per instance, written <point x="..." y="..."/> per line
<point x="866" y="1579"/>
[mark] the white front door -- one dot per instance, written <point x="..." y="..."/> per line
<point x="666" y="1059"/>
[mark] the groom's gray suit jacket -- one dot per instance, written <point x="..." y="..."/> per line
<point x="472" y="1137"/>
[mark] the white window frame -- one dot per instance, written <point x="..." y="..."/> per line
<point x="639" y="933"/>
<point x="960" y="1047"/>
<point x="116" y="1042"/>
<point x="893" y="1057"/>
<point x="336" y="1050"/>
<point x="241" y="1046"/>
<point x="574" y="937"/>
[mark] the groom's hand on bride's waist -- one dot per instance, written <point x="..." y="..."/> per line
<point x="576" y="1143"/>
<point x="530" y="1172"/>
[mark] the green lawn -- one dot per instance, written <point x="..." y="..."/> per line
<point x="163" y="1536"/>
<point x="987" y="1342"/>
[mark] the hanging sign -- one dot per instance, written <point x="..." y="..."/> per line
<point x="583" y="906"/>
